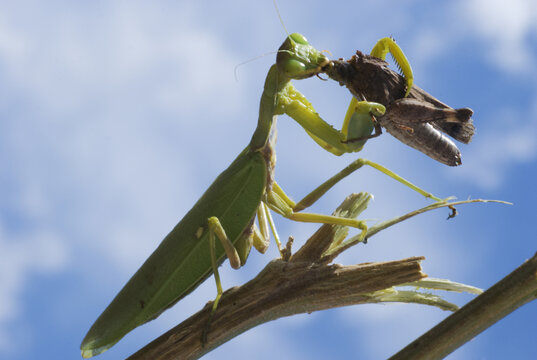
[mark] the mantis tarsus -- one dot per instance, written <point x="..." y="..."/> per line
<point x="189" y="254"/>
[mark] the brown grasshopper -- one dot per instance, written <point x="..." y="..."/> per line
<point x="418" y="120"/>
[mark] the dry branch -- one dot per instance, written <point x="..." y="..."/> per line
<point x="303" y="284"/>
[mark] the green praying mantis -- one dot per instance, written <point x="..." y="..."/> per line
<point x="221" y="224"/>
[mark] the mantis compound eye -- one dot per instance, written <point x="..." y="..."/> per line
<point x="292" y="67"/>
<point x="299" y="38"/>
<point x="297" y="59"/>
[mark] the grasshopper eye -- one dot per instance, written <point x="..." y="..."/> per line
<point x="299" y="38"/>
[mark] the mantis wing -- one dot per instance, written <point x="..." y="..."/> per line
<point x="183" y="261"/>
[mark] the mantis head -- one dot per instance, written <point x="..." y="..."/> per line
<point x="297" y="59"/>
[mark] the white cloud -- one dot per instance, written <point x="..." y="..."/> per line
<point x="40" y="251"/>
<point x="504" y="32"/>
<point x="495" y="153"/>
<point x="89" y="78"/>
<point x="506" y="28"/>
<point x="124" y="53"/>
<point x="85" y="147"/>
<point x="89" y="118"/>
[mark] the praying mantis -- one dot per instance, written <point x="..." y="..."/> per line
<point x="221" y="224"/>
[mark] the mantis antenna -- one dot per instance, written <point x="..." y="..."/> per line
<point x="280" y="16"/>
<point x="249" y="61"/>
<point x="265" y="54"/>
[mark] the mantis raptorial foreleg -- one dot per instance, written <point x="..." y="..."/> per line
<point x="380" y="50"/>
<point x="387" y="45"/>
<point x="358" y="123"/>
<point x="356" y="128"/>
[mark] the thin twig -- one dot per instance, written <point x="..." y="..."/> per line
<point x="510" y="293"/>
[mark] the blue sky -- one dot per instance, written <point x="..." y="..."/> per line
<point x="115" y="116"/>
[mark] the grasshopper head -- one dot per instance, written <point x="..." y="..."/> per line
<point x="297" y="59"/>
